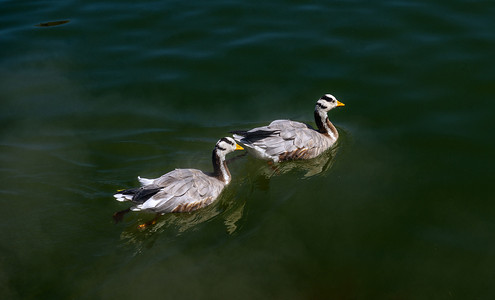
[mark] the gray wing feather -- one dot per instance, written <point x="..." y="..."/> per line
<point x="203" y="186"/>
<point x="284" y="124"/>
<point x="293" y="135"/>
<point x="287" y="137"/>
<point x="183" y="190"/>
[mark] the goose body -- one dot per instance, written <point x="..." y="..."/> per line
<point x="290" y="140"/>
<point x="183" y="190"/>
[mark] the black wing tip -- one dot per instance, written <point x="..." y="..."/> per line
<point x="127" y="191"/>
<point x="253" y="136"/>
<point x="239" y="132"/>
<point x="144" y="194"/>
<point x="140" y="195"/>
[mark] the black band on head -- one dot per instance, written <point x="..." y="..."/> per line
<point x="325" y="97"/>
<point x="227" y="141"/>
<point x="321" y="105"/>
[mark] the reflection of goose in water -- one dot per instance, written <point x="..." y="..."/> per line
<point x="181" y="190"/>
<point x="228" y="210"/>
<point x="284" y="140"/>
<point x="311" y="167"/>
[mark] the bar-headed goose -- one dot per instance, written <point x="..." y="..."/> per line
<point x="289" y="140"/>
<point x="181" y="190"/>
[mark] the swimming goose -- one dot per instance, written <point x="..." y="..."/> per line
<point x="289" y="140"/>
<point x="182" y="190"/>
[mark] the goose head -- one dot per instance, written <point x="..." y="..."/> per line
<point x="226" y="145"/>
<point x="223" y="147"/>
<point x="327" y="102"/>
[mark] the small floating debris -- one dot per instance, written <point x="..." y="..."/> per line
<point x="52" y="23"/>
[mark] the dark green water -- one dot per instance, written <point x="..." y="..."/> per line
<point x="403" y="208"/>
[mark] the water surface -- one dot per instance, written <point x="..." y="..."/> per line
<point x="400" y="209"/>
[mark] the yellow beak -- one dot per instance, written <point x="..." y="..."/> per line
<point x="340" y="103"/>
<point x="237" y="147"/>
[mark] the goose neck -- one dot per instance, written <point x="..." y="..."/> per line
<point x="324" y="125"/>
<point x="220" y="169"/>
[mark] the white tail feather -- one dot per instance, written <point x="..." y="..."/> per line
<point x="120" y="197"/>
<point x="145" y="181"/>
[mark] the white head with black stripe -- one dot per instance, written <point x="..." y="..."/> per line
<point x="327" y="102"/>
<point x="226" y="145"/>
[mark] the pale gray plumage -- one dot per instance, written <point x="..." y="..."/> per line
<point x="290" y="140"/>
<point x="183" y="190"/>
